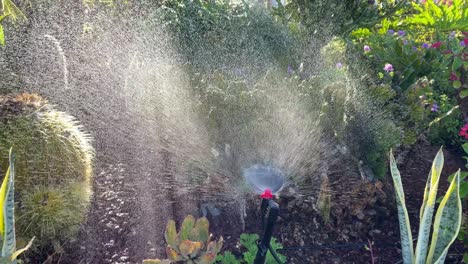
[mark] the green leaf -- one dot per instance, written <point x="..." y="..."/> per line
<point x="447" y="223"/>
<point x="227" y="258"/>
<point x="456" y="84"/>
<point x="3" y="191"/>
<point x="171" y="234"/>
<point x="201" y="231"/>
<point x="10" y="9"/>
<point x="8" y="205"/>
<point x="463" y="93"/>
<point x="463" y="189"/>
<point x="187" y="226"/>
<point x="19" y="251"/>
<point x="2" y="36"/>
<point x="465" y="147"/>
<point x="457" y="63"/>
<point x="427" y="208"/>
<point x="405" y="227"/>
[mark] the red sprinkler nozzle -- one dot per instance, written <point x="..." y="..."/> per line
<point x="267" y="194"/>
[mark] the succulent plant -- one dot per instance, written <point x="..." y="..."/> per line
<point x="53" y="168"/>
<point x="192" y="244"/>
<point x="447" y="220"/>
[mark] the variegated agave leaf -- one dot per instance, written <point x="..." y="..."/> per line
<point x="447" y="222"/>
<point x="7" y="194"/>
<point x="405" y="227"/>
<point x="427" y="209"/>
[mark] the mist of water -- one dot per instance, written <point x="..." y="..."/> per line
<point x="132" y="90"/>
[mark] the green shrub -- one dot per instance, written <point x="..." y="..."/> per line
<point x="249" y="242"/>
<point x="54" y="167"/>
<point x="424" y="45"/>
<point x="221" y="35"/>
<point x="335" y="16"/>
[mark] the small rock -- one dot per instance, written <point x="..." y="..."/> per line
<point x="374" y="232"/>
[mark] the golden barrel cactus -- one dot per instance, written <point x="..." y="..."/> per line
<point x="53" y="167"/>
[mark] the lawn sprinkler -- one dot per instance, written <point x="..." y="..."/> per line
<point x="266" y="181"/>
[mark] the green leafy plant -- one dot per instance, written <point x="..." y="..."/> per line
<point x="9" y="253"/>
<point x="448" y="16"/>
<point x="249" y="241"/>
<point x="229" y="31"/>
<point x="228" y="258"/>
<point x="192" y="244"/>
<point x="447" y="219"/>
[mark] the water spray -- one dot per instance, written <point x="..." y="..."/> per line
<point x="62" y="55"/>
<point x="266" y="181"/>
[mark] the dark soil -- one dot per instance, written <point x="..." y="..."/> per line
<point x="118" y="231"/>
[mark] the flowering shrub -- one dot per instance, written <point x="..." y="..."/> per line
<point x="422" y="55"/>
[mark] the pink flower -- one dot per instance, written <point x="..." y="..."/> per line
<point x="388" y="67"/>
<point x="464" y="42"/>
<point x="464" y="131"/>
<point x="367" y="48"/>
<point x="453" y="77"/>
<point x="437" y="44"/>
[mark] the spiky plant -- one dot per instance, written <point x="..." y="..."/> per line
<point x="430" y="249"/>
<point x="53" y="169"/>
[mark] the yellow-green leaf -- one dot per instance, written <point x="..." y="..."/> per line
<point x="2" y="36"/>
<point x="447" y="222"/>
<point x="186" y="229"/>
<point x="172" y="254"/>
<point x="463" y="93"/>
<point x="2" y="201"/>
<point x="19" y="251"/>
<point x="171" y="234"/>
<point x="9" y="239"/>
<point x="10" y="9"/>
<point x="405" y="227"/>
<point x="427" y="209"/>
<point x="201" y="231"/>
